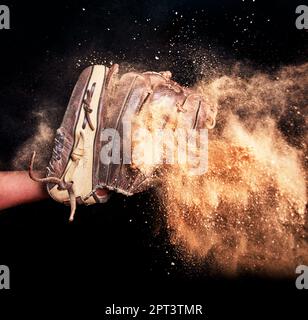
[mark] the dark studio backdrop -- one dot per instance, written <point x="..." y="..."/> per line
<point x="119" y="252"/>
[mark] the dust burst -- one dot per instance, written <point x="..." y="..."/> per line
<point x="247" y="213"/>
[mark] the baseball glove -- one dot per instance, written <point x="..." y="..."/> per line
<point x="92" y="150"/>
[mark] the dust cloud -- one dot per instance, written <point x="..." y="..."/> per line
<point x="248" y="212"/>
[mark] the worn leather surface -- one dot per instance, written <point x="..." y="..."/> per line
<point x="123" y="97"/>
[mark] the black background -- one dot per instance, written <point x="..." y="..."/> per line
<point x="119" y="252"/>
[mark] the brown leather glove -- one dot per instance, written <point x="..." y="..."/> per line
<point x="93" y="146"/>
